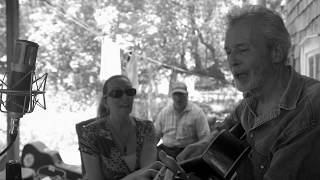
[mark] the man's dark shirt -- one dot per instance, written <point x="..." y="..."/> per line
<point x="285" y="141"/>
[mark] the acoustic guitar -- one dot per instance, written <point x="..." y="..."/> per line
<point x="221" y="158"/>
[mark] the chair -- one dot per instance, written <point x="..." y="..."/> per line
<point x="79" y="130"/>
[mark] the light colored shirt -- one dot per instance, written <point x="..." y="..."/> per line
<point x="181" y="129"/>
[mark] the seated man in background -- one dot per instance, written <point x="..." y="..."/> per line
<point x="180" y="123"/>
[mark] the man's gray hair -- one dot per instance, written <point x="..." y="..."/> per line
<point x="271" y="25"/>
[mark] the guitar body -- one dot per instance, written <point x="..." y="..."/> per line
<point x="38" y="157"/>
<point x="221" y="158"/>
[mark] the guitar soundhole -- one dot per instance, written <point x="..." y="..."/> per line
<point x="28" y="160"/>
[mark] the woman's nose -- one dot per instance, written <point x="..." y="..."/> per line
<point x="125" y="96"/>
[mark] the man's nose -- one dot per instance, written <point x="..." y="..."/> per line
<point x="233" y="60"/>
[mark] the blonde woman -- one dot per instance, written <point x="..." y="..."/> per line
<point x="117" y="145"/>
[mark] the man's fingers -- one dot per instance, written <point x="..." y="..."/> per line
<point x="197" y="148"/>
<point x="186" y="153"/>
<point x="180" y="157"/>
<point x="169" y="162"/>
<point x="183" y="155"/>
<point x="163" y="155"/>
<point x="160" y="174"/>
<point x="150" y="173"/>
<point x="193" y="150"/>
<point x="156" y="165"/>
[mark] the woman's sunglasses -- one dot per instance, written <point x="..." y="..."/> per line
<point x="119" y="93"/>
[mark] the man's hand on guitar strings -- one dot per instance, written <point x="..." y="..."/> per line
<point x="172" y="165"/>
<point x="196" y="149"/>
<point x="149" y="172"/>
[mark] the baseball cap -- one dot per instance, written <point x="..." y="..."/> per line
<point x="179" y="87"/>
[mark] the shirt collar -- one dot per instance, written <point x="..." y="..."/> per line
<point x="188" y="107"/>
<point x="291" y="95"/>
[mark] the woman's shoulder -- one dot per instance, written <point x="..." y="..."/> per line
<point x="147" y="125"/>
<point x="144" y="122"/>
<point x="95" y="126"/>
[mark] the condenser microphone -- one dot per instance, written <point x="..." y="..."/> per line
<point x="20" y="87"/>
<point x="20" y="77"/>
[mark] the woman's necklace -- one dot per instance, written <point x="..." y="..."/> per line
<point x="124" y="142"/>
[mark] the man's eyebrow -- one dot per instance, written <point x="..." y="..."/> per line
<point x="242" y="45"/>
<point x="239" y="45"/>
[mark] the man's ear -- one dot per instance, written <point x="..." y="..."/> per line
<point x="105" y="101"/>
<point x="277" y="54"/>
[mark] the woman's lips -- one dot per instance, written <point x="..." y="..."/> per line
<point x="125" y="105"/>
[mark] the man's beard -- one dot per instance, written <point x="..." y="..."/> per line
<point x="249" y="87"/>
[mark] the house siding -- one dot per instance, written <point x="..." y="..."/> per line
<point x="302" y="21"/>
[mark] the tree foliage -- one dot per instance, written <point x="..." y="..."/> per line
<point x="171" y="38"/>
<point x="2" y="37"/>
<point x="183" y="34"/>
<point x="68" y="52"/>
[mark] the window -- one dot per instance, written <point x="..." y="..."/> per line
<point x="314" y="66"/>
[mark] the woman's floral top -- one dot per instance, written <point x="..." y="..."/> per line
<point x="96" y="139"/>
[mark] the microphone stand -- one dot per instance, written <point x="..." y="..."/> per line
<point x="21" y="97"/>
<point x="15" y="121"/>
<point x="13" y="167"/>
